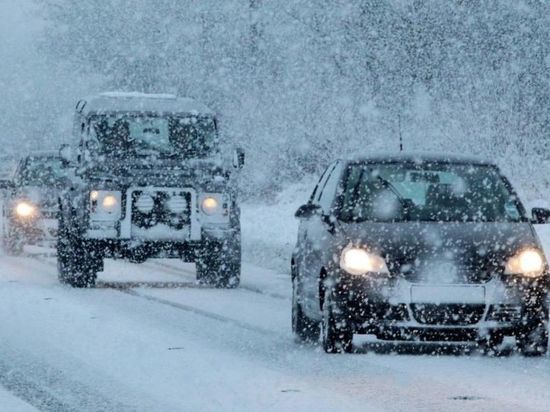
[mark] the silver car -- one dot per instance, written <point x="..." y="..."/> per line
<point x="419" y="248"/>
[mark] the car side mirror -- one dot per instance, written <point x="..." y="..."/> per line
<point x="6" y="184"/>
<point x="238" y="158"/>
<point x="540" y="215"/>
<point x="66" y="154"/>
<point x="307" y="210"/>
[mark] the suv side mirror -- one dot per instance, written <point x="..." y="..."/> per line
<point x="66" y="154"/>
<point x="307" y="210"/>
<point x="238" y="158"/>
<point x="540" y="215"/>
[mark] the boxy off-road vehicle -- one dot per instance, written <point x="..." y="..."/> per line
<point x="151" y="179"/>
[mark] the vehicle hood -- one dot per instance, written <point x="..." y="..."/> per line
<point x="45" y="197"/>
<point x="164" y="172"/>
<point x="443" y="252"/>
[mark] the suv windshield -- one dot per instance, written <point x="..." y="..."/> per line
<point x="186" y="136"/>
<point x="41" y="171"/>
<point x="440" y="192"/>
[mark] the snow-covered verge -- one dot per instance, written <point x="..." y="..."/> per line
<point x="269" y="229"/>
<point x="9" y="402"/>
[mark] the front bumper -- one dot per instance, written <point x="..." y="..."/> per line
<point x="373" y="304"/>
<point x="186" y="249"/>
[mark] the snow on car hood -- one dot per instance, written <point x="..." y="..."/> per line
<point x="40" y="195"/>
<point x="442" y="252"/>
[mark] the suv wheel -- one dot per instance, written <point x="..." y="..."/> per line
<point x="305" y="329"/>
<point x="76" y="265"/>
<point x="219" y="265"/>
<point x="533" y="340"/>
<point x="337" y="336"/>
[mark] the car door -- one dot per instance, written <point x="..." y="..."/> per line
<point x="317" y="239"/>
<point x="302" y="244"/>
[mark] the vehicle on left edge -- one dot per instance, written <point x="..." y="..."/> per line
<point x="30" y="207"/>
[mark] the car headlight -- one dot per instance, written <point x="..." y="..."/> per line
<point x="529" y="262"/>
<point x="105" y="203"/>
<point x="357" y="261"/>
<point x="210" y="205"/>
<point x="25" y="209"/>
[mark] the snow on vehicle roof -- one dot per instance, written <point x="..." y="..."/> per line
<point x="43" y="153"/>
<point x="423" y="157"/>
<point x="116" y="102"/>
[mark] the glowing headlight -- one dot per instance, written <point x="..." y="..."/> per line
<point x="358" y="261"/>
<point x="105" y="204"/>
<point x="109" y="202"/>
<point x="210" y="205"/>
<point x="528" y="262"/>
<point x="25" y="209"/>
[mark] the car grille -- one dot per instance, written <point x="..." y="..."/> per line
<point x="448" y="314"/>
<point x="172" y="208"/>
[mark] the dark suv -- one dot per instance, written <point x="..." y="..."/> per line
<point x="419" y="248"/>
<point x="152" y="180"/>
<point x="31" y="202"/>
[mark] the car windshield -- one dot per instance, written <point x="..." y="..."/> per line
<point x="41" y="171"/>
<point x="435" y="192"/>
<point x="185" y="136"/>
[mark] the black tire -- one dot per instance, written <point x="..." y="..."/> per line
<point x="533" y="340"/>
<point x="337" y="336"/>
<point x="76" y="264"/>
<point x="219" y="265"/>
<point x="304" y="329"/>
<point x="490" y="344"/>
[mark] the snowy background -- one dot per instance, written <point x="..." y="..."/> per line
<point x="297" y="84"/>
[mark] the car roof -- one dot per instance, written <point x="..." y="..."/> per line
<point x="421" y="157"/>
<point x="113" y="102"/>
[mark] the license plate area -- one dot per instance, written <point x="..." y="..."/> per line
<point x="442" y="294"/>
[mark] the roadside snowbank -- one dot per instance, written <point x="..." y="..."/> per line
<point x="269" y="230"/>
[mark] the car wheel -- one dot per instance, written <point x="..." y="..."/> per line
<point x="76" y="265"/>
<point x="490" y="344"/>
<point x="533" y="340"/>
<point x="219" y="265"/>
<point x="305" y="329"/>
<point x="336" y="335"/>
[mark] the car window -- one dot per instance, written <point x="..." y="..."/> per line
<point x="429" y="192"/>
<point x="317" y="191"/>
<point x="327" y="195"/>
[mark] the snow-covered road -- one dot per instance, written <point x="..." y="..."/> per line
<point x="148" y="338"/>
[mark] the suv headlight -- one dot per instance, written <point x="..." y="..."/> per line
<point x="25" y="209"/>
<point x="214" y="204"/>
<point x="358" y="261"/>
<point x="528" y="262"/>
<point x="105" y="204"/>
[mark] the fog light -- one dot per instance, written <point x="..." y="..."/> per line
<point x="145" y="203"/>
